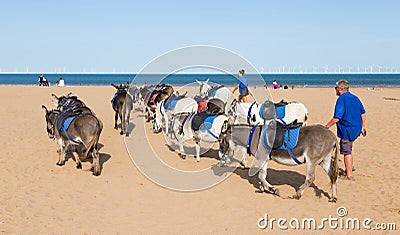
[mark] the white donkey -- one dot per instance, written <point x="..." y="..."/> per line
<point x="220" y="92"/>
<point x="167" y="109"/>
<point x="253" y="113"/>
<point x="208" y="131"/>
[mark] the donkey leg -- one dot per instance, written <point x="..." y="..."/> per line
<point x="197" y="151"/>
<point x="244" y="160"/>
<point x="310" y="176"/>
<point x="181" y="152"/>
<point x="61" y="153"/>
<point x="265" y="185"/>
<point x="96" y="162"/>
<point x="77" y="160"/>
<point x="122" y="124"/>
<point x="116" y="120"/>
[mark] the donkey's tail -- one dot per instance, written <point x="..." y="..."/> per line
<point x="334" y="165"/>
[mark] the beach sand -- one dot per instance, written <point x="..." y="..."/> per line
<point x="39" y="197"/>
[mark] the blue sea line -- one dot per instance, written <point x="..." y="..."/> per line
<point x="362" y="80"/>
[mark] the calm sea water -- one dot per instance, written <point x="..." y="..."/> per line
<point x="363" y="80"/>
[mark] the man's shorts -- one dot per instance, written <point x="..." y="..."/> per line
<point x="346" y="146"/>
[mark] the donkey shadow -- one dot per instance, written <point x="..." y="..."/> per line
<point x="130" y="128"/>
<point x="277" y="177"/>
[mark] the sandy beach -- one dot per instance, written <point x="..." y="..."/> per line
<point x="39" y="197"/>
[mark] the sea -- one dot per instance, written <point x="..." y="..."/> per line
<point x="296" y="80"/>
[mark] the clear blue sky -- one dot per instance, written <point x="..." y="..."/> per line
<point x="125" y="35"/>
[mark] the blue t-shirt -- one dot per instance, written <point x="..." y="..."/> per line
<point x="242" y="85"/>
<point x="348" y="109"/>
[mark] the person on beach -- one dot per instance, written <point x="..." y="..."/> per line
<point x="350" y="118"/>
<point x="275" y="84"/>
<point x="61" y="82"/>
<point x="242" y="86"/>
<point x="43" y="81"/>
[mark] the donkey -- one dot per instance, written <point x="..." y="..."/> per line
<point x="220" y="92"/>
<point x="253" y="113"/>
<point x="169" y="108"/>
<point x="160" y="93"/>
<point x="83" y="130"/>
<point x="122" y="105"/>
<point x="185" y="128"/>
<point x="316" y="145"/>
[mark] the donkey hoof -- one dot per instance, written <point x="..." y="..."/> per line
<point x="272" y="190"/>
<point x="182" y="156"/>
<point x="121" y="133"/>
<point x="79" y="166"/>
<point x="96" y="173"/>
<point x="60" y="163"/>
<point x="296" y="196"/>
<point x="333" y="199"/>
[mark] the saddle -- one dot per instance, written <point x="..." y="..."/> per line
<point x="202" y="121"/>
<point x="215" y="107"/>
<point x="114" y="105"/>
<point x="65" y="118"/>
<point x="286" y="136"/>
<point x="267" y="108"/>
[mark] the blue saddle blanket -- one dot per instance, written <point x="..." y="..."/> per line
<point x="67" y="123"/>
<point x="290" y="138"/>
<point x="207" y="124"/>
<point x="279" y="137"/>
<point x="171" y="105"/>
<point x="280" y="112"/>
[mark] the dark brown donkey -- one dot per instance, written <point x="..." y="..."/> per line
<point x="122" y="105"/>
<point x="78" y="129"/>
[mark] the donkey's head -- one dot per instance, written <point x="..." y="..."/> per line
<point x="51" y="117"/>
<point x="121" y="87"/>
<point x="204" y="87"/>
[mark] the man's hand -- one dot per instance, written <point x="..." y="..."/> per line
<point x="364" y="131"/>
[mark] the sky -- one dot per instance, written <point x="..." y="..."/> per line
<point x="123" y="36"/>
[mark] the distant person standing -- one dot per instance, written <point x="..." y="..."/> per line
<point x="43" y="81"/>
<point x="242" y="86"/>
<point x="275" y="84"/>
<point x="60" y="82"/>
<point x="350" y="119"/>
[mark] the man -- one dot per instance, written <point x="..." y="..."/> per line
<point x="349" y="118"/>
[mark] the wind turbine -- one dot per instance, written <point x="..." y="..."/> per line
<point x="326" y="68"/>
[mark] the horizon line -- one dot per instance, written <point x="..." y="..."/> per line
<point x="200" y="73"/>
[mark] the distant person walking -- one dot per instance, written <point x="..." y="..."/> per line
<point x="43" y="81"/>
<point x="242" y="86"/>
<point x="350" y="119"/>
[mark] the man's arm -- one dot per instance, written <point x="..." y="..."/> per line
<point x="364" y="119"/>
<point x="332" y="122"/>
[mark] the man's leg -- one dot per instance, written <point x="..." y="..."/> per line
<point x="348" y="162"/>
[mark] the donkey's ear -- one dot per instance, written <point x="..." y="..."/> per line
<point x="208" y="79"/>
<point x="112" y="84"/>
<point x="54" y="96"/>
<point x="44" y="107"/>
<point x="69" y="94"/>
<point x="198" y="82"/>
